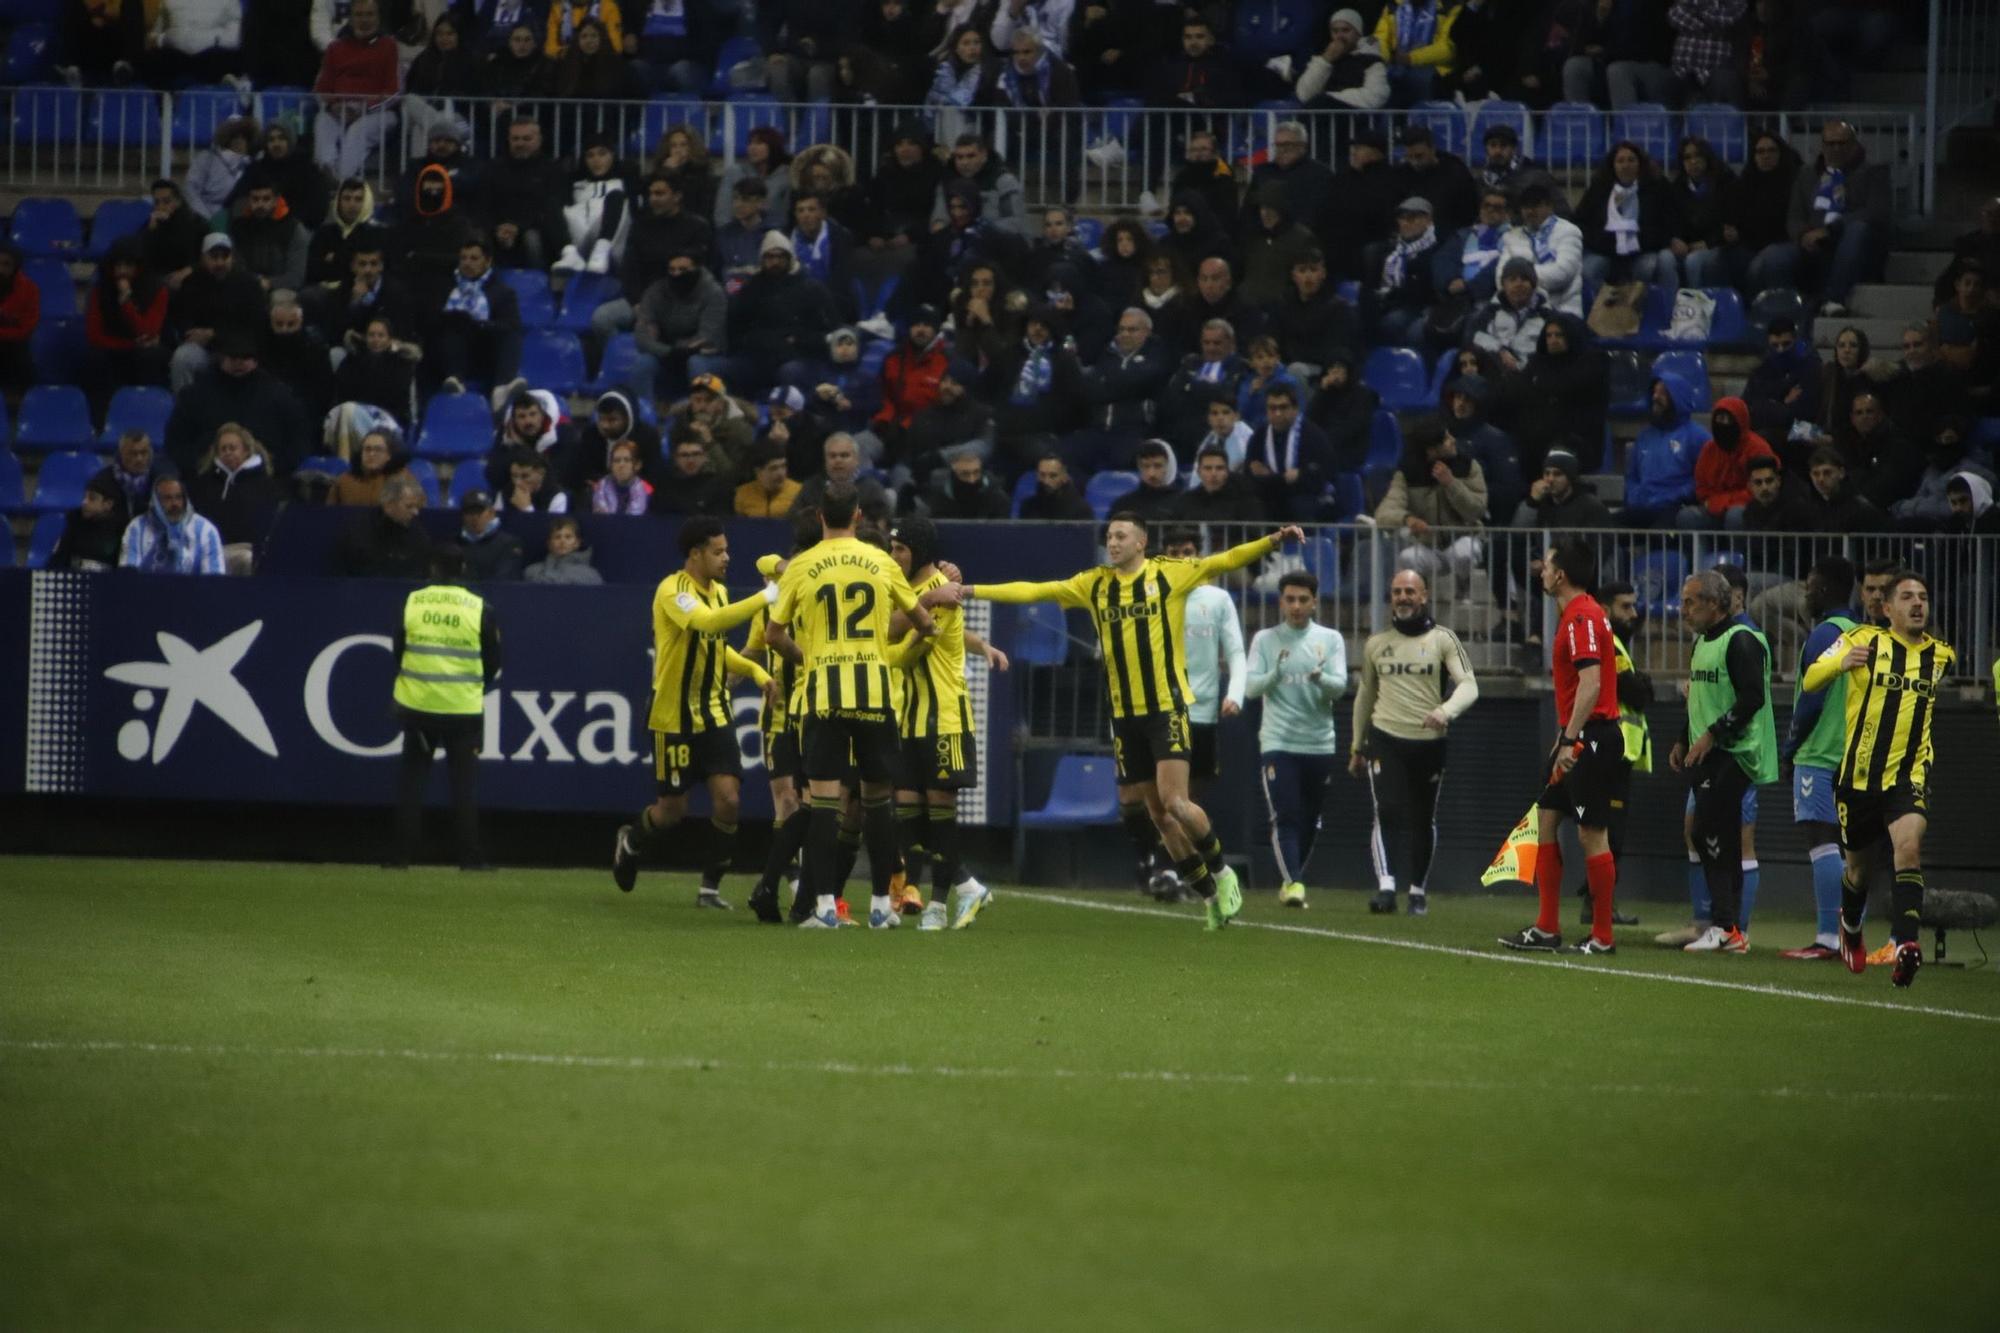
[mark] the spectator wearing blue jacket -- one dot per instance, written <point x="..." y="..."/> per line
<point x="1785" y="387"/>
<point x="1659" y="469"/>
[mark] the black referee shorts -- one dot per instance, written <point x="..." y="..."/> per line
<point x="1586" y="793"/>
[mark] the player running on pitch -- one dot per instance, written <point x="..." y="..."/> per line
<point x="839" y="597"/>
<point x="1139" y="603"/>
<point x="694" y="736"/>
<point x="1583" y="766"/>
<point x="1883" y="787"/>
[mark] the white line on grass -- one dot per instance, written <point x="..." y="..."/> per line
<point x="843" y="1068"/>
<point x="1672" y="978"/>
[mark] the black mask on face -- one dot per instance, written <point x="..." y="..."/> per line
<point x="1727" y="432"/>
<point x="683" y="283"/>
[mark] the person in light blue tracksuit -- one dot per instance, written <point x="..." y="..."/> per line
<point x="1659" y="469"/>
<point x="1299" y="670"/>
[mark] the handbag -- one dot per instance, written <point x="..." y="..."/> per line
<point x="1615" y="313"/>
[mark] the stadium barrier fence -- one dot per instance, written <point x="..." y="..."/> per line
<point x="1961" y="77"/>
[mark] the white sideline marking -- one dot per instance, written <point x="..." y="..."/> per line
<point x="1671" y="978"/>
<point x="701" y="1064"/>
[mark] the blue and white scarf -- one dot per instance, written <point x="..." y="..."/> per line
<point x="665" y="18"/>
<point x="1038" y="373"/>
<point x="1482" y="251"/>
<point x="1830" y="198"/>
<point x="1416" y="24"/>
<point x="567" y="20"/>
<point x="815" y="257"/>
<point x="1283" y="460"/>
<point x="469" y="298"/>
<point x="953" y="88"/>
<point x="1544" y="238"/>
<point x="1621" y="217"/>
<point x="1010" y="81"/>
<point x="1398" y="262"/>
<point x="1211" y="372"/>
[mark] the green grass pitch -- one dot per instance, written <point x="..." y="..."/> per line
<point x="250" y="1096"/>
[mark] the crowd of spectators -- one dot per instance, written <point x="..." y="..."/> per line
<point x="909" y="324"/>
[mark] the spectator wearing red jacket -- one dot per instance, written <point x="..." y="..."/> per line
<point x="910" y="378"/>
<point x="1722" y="469"/>
<point x="359" y="79"/>
<point x="20" y="312"/>
<point x="125" y="315"/>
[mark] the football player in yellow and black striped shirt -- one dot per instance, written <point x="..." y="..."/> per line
<point x="1139" y="605"/>
<point x="832" y="618"/>
<point x="782" y="764"/>
<point x="694" y="736"/>
<point x="1883" y="786"/>
<point x="940" y="748"/>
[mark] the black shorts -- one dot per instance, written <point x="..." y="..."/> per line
<point x="1140" y="744"/>
<point x="1594" y="781"/>
<point x="683" y="759"/>
<point x="845" y="747"/>
<point x="940" y="763"/>
<point x="781" y="754"/>
<point x="1202" y="759"/>
<point x="1865" y="816"/>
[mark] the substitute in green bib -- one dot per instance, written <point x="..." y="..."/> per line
<point x="447" y="654"/>
<point x="1732" y="745"/>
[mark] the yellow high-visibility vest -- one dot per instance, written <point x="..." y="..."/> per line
<point x="442" y="670"/>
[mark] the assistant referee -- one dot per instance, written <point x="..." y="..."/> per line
<point x="447" y="655"/>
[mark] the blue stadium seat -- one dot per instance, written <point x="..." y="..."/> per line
<point x="1657" y="577"/>
<point x="531" y="288"/>
<point x="1347" y="289"/>
<point x="1083" y="793"/>
<point x="1024" y="486"/>
<point x="1690" y="366"/>
<point x="197" y="112"/>
<point x="13" y="486"/>
<point x="323" y="465"/>
<point x="30" y="55"/>
<point x="614" y="370"/>
<point x="124" y="118"/>
<point x="1397" y="373"/>
<point x="1723" y="127"/>
<point x="114" y="220"/>
<point x="1090" y="232"/>
<point x="1631" y="383"/>
<point x="1041" y="637"/>
<point x="1446" y="372"/>
<point x="53" y="417"/>
<point x="1101" y="490"/>
<point x="136" y="407"/>
<point x="466" y="477"/>
<point x="59" y="350"/>
<point x="1445" y="121"/>
<point x="736" y="51"/>
<point x="58" y="289"/>
<point x="47" y="229"/>
<point x="586" y="292"/>
<point x="1497" y="111"/>
<point x="1385" y="440"/>
<point x="1776" y="303"/>
<point x="1573" y="135"/>
<point x="426" y="477"/>
<point x="42" y="544"/>
<point x="553" y="359"/>
<point x="1649" y="125"/>
<point x="1322" y="557"/>
<point x="748" y="111"/>
<point x="1350" y="496"/>
<point x="59" y="484"/>
<point x="1985" y="434"/>
<point x="47" y="114"/>
<point x="1653" y="318"/>
<point x="456" y="425"/>
<point x="1729" y="326"/>
<point x="663" y="113"/>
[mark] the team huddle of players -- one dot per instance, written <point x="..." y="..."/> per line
<point x="859" y="645"/>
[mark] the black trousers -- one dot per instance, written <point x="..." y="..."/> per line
<point x="1404" y="783"/>
<point x="1719" y="784"/>
<point x="458" y="735"/>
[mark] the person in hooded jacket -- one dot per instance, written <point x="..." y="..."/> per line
<point x="1563" y="393"/>
<point x="1070" y="294"/>
<point x="330" y="250"/>
<point x="1344" y="409"/>
<point x="1785" y="388"/>
<point x="424" y="250"/>
<point x="909" y="378"/>
<point x="904" y="185"/>
<point x="1722" y="469"/>
<point x="237" y="388"/>
<point x="381" y="370"/>
<point x="1628" y="220"/>
<point x="1195" y="233"/>
<point x="1464" y="412"/>
<point x="1435" y="486"/>
<point x="534" y="422"/>
<point x="170" y="537"/>
<point x="1510" y="325"/>
<point x="1273" y="244"/>
<point x="213" y="172"/>
<point x="235" y="491"/>
<point x="124" y="317"/>
<point x="1659" y="466"/>
<point x="1920" y="477"/>
<point x="1970" y="498"/>
<point x="777" y="324"/>
<point x="93" y="531"/>
<point x="613" y="424"/>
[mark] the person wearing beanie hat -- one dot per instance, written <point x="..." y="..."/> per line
<point x="1560" y="498"/>
<point x="778" y="323"/>
<point x="1348" y="71"/>
<point x="1510" y="325"/>
<point x="92" y="531"/>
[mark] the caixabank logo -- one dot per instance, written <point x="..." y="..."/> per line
<point x="183" y="679"/>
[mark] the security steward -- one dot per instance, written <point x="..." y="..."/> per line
<point x="447" y="655"/>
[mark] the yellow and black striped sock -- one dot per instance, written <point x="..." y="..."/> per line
<point x="1210" y="849"/>
<point x="1194" y="873"/>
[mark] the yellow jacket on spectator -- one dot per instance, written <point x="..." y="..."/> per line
<point x="1438" y="54"/>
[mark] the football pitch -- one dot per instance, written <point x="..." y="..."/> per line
<point x="263" y="1096"/>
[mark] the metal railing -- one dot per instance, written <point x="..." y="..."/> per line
<point x="1961" y="76"/>
<point x="1485" y="588"/>
<point x="1099" y="158"/>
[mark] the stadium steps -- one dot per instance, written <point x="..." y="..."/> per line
<point x="1916" y="267"/>
<point x="1898" y="301"/>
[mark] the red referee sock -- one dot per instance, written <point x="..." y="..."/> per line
<point x="1549" y="884"/>
<point x="1602" y="872"/>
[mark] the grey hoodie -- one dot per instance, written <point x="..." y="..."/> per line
<point x="665" y="317"/>
<point x="574" y="568"/>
